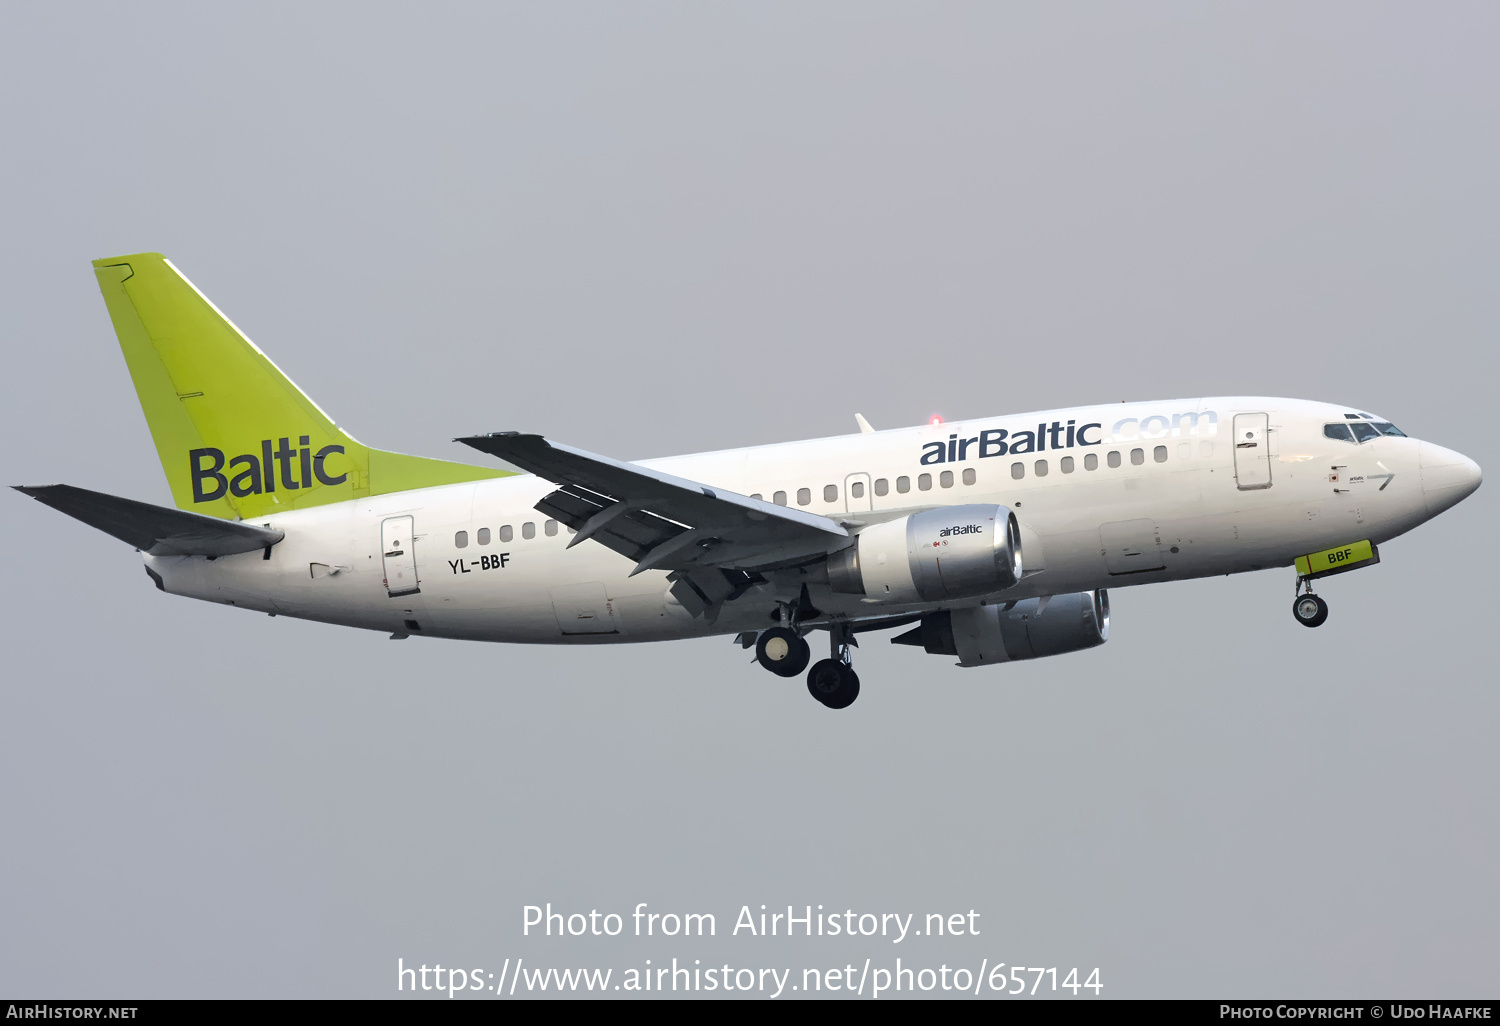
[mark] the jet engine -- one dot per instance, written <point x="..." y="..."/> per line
<point x="1028" y="629"/>
<point x="939" y="554"/>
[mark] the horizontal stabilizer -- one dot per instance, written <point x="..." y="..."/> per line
<point x="154" y="529"/>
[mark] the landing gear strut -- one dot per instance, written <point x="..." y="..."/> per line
<point x="1309" y="609"/>
<point x="833" y="681"/>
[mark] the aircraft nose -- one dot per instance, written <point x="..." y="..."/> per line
<point x="1448" y="477"/>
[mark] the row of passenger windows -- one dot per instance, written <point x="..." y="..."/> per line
<point x="507" y="533"/>
<point x="804" y="497"/>
<point x="882" y="486"/>
<point x="945" y="479"/>
<point x="1113" y="459"/>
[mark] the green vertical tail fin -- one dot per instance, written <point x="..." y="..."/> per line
<point x="236" y="438"/>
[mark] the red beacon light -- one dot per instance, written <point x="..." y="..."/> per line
<point x="936" y="420"/>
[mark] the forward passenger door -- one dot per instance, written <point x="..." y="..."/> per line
<point x="1252" y="450"/>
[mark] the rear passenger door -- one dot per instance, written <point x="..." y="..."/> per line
<point x="398" y="554"/>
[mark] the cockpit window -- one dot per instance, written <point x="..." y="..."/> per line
<point x="1338" y="432"/>
<point x="1351" y="416"/>
<point x="1363" y="431"/>
<point x="1385" y="427"/>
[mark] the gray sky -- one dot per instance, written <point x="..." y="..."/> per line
<point x="655" y="228"/>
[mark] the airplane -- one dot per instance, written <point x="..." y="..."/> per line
<point x="992" y="540"/>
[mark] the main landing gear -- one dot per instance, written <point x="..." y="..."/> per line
<point x="782" y="651"/>
<point x="831" y="681"/>
<point x="834" y="683"/>
<point x="1309" y="609"/>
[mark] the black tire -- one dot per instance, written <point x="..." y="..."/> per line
<point x="782" y="652"/>
<point x="833" y="683"/>
<point x="1310" y="610"/>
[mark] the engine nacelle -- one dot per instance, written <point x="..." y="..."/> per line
<point x="1028" y="629"/>
<point x="949" y="553"/>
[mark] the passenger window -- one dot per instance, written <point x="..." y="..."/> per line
<point x="946" y="479"/>
<point x="1137" y="457"/>
<point x="1338" y="432"/>
<point x="804" y="496"/>
<point x="1363" y="432"/>
<point x="484" y="536"/>
<point x="1067" y="464"/>
<point x="903" y="485"/>
<point x="830" y="493"/>
<point x="551" y="528"/>
<point x="969" y="476"/>
<point x="1091" y="461"/>
<point x="461" y="539"/>
<point x="779" y="498"/>
<point x="528" y="530"/>
<point x="1114" y="458"/>
<point x="1184" y="450"/>
<point x="1041" y="468"/>
<point x="507" y="533"/>
<point x="1017" y="470"/>
<point x="1159" y="454"/>
<point x="924" y="482"/>
<point x="857" y="490"/>
<point x="882" y="486"/>
<point x="757" y="496"/>
<point x="1206" y="450"/>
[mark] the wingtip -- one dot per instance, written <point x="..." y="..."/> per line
<point x="487" y="434"/>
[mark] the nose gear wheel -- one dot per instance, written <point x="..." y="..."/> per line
<point x="1310" y="610"/>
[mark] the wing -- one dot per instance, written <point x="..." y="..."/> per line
<point x="660" y="521"/>
<point x="154" y="529"/>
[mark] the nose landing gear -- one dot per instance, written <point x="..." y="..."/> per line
<point x="1309" y="609"/>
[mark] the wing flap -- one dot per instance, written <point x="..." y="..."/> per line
<point x="631" y="532"/>
<point x="154" y="529"/>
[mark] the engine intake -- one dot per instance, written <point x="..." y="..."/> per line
<point x="1028" y="629"/>
<point x="949" y="553"/>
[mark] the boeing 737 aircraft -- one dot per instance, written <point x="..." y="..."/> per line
<point x="991" y="540"/>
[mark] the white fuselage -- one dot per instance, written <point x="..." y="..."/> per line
<point x="1108" y="496"/>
